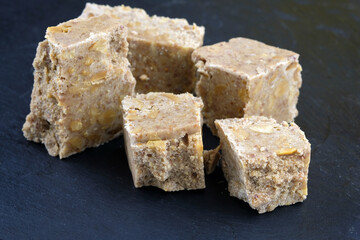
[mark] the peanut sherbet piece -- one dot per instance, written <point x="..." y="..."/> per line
<point x="81" y="75"/>
<point x="163" y="140"/>
<point x="265" y="163"/>
<point x="247" y="77"/>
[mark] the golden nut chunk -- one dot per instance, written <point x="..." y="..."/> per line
<point x="157" y="144"/>
<point x="68" y="54"/>
<point x="154" y="136"/>
<point x="273" y="77"/>
<point x="77" y="142"/>
<point x="93" y="88"/>
<point x="291" y="66"/>
<point x="137" y="130"/>
<point x="119" y="70"/>
<point x="303" y="191"/>
<point x="97" y="76"/>
<point x="285" y="124"/>
<point x="271" y="102"/>
<point x="199" y="148"/>
<point x="89" y="61"/>
<point x="132" y="117"/>
<point x="132" y="111"/>
<point x="85" y="72"/>
<point x="153" y="113"/>
<point x="100" y="46"/>
<point x="57" y="29"/>
<point x="76" y="125"/>
<point x="286" y="151"/>
<point x="258" y="87"/>
<point x="76" y="89"/>
<point x="282" y="88"/>
<point x="172" y="97"/>
<point x="71" y="70"/>
<point x="262" y="128"/>
<point x="107" y="117"/>
<point x="241" y="133"/>
<point x="139" y="104"/>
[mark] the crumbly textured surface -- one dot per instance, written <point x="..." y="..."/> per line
<point x="163" y="140"/>
<point x="159" y="48"/>
<point x="247" y="77"/>
<point x="81" y="76"/>
<point x="265" y="163"/>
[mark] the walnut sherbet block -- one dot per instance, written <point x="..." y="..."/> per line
<point x="159" y="48"/>
<point x="247" y="77"/>
<point x="163" y="140"/>
<point x="81" y="76"/>
<point x="265" y="163"/>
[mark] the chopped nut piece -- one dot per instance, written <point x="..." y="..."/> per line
<point x="163" y="140"/>
<point x="101" y="46"/>
<point x="243" y="78"/>
<point x="173" y="97"/>
<point x="211" y="159"/>
<point x="291" y="66"/>
<point x="144" y="77"/>
<point x="77" y="142"/>
<point x="97" y="76"/>
<point x="89" y="61"/>
<point x="157" y="144"/>
<point x="254" y="172"/>
<point x="159" y="48"/>
<point x="85" y="72"/>
<point x="153" y="113"/>
<point x="67" y="55"/>
<point x="137" y="104"/>
<point x="286" y="151"/>
<point x="262" y="128"/>
<point x="71" y="70"/>
<point x="56" y="29"/>
<point x="133" y="116"/>
<point x="241" y="133"/>
<point x="76" y="125"/>
<point x="153" y="136"/>
<point x="107" y="117"/>
<point x="73" y="110"/>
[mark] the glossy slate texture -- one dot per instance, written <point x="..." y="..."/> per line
<point x="91" y="195"/>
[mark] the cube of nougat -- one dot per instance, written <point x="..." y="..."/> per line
<point x="163" y="140"/>
<point x="265" y="163"/>
<point x="246" y="77"/>
<point x="159" y="48"/>
<point x="81" y="75"/>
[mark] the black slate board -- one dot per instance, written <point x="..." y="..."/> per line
<point x="91" y="195"/>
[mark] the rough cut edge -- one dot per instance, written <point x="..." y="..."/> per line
<point x="211" y="159"/>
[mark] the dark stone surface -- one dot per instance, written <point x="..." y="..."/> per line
<point x="91" y="195"/>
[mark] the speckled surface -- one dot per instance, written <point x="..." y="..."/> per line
<point x="91" y="195"/>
